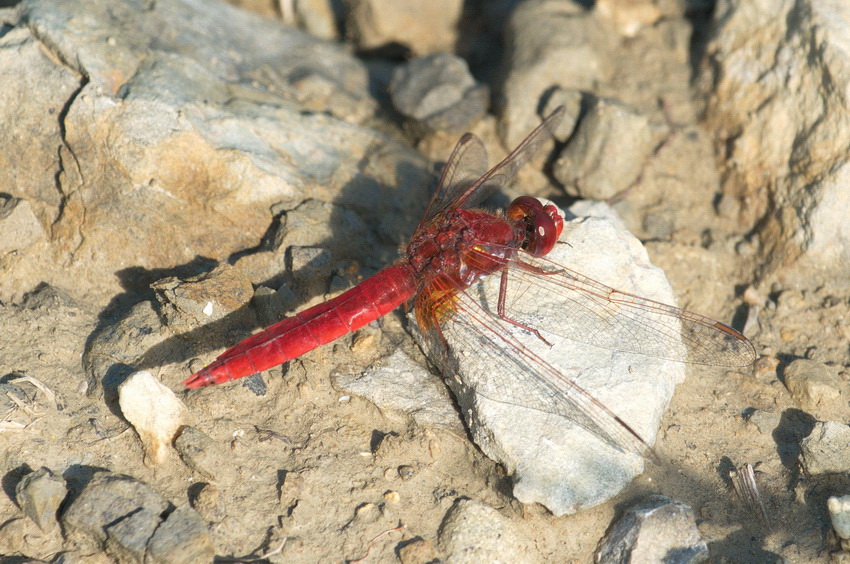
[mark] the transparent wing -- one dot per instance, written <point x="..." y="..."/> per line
<point x="464" y="183"/>
<point x="523" y="377"/>
<point x="604" y="317"/>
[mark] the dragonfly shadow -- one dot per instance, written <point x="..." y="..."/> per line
<point x="357" y="234"/>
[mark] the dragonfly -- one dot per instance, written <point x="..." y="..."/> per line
<point x="457" y="245"/>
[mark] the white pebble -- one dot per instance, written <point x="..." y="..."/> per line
<point x="839" y="513"/>
<point x="154" y="411"/>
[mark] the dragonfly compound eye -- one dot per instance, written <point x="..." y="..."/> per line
<point x="543" y="224"/>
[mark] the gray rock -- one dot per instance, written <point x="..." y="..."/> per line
<point x="200" y="452"/>
<point x="549" y="44"/>
<point x="400" y="384"/>
<point x="473" y="532"/>
<point x="657" y="530"/>
<point x="118" y="512"/>
<point x="533" y="428"/>
<point x="39" y="494"/>
<point x="607" y="153"/>
<point x="439" y="93"/>
<point x="19" y="227"/>
<point x="765" y="421"/>
<point x="827" y="449"/>
<point x="181" y="538"/>
<point x="132" y="521"/>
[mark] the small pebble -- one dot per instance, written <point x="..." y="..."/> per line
<point x="155" y="412"/>
<point x="406" y="472"/>
<point x="392" y="497"/>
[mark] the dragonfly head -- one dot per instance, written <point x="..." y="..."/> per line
<point x="543" y="224"/>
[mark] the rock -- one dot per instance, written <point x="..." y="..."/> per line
<point x="418" y="551"/>
<point x="765" y="421"/>
<point x="201" y="453"/>
<point x="39" y="494"/>
<point x="131" y="520"/>
<point x="155" y="413"/>
<point x="204" y="298"/>
<point x="607" y="153"/>
<point x="814" y="387"/>
<point x="657" y="530"/>
<point x="571" y="100"/>
<point x="439" y="93"/>
<point x="229" y="115"/>
<point x="421" y="27"/>
<point x="839" y="515"/>
<point x="827" y="449"/>
<point x="472" y="532"/>
<point x="400" y="384"/>
<point x="549" y="44"/>
<point x="182" y="537"/>
<point x="532" y="427"/>
<point x="19" y="227"/>
<point x="784" y="134"/>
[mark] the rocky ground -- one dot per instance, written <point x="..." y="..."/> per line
<point x="176" y="175"/>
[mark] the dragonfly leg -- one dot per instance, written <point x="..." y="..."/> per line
<point x="500" y="308"/>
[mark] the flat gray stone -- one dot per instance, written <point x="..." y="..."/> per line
<point x="656" y="530"/>
<point x="400" y="384"/>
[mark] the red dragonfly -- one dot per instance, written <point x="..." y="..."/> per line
<point x="453" y="248"/>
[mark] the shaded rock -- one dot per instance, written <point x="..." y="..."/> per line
<point x="106" y="502"/>
<point x="785" y="135"/>
<point x="155" y="412"/>
<point x="400" y="384"/>
<point x="815" y="387"/>
<point x="19" y="227"/>
<point x="39" y="494"/>
<point x="182" y="537"/>
<point x="827" y="449"/>
<point x="531" y="425"/>
<point x="474" y="532"/>
<point x="131" y="520"/>
<point x="421" y="27"/>
<point x="607" y="152"/>
<point x="439" y="93"/>
<point x="203" y="298"/>
<point x="657" y="530"/>
<point x="200" y="452"/>
<point x="318" y="18"/>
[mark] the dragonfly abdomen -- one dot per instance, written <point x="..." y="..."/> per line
<point x="288" y="339"/>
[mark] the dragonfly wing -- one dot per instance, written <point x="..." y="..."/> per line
<point x="607" y="318"/>
<point x="464" y="182"/>
<point x="516" y="371"/>
<point x="467" y="163"/>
